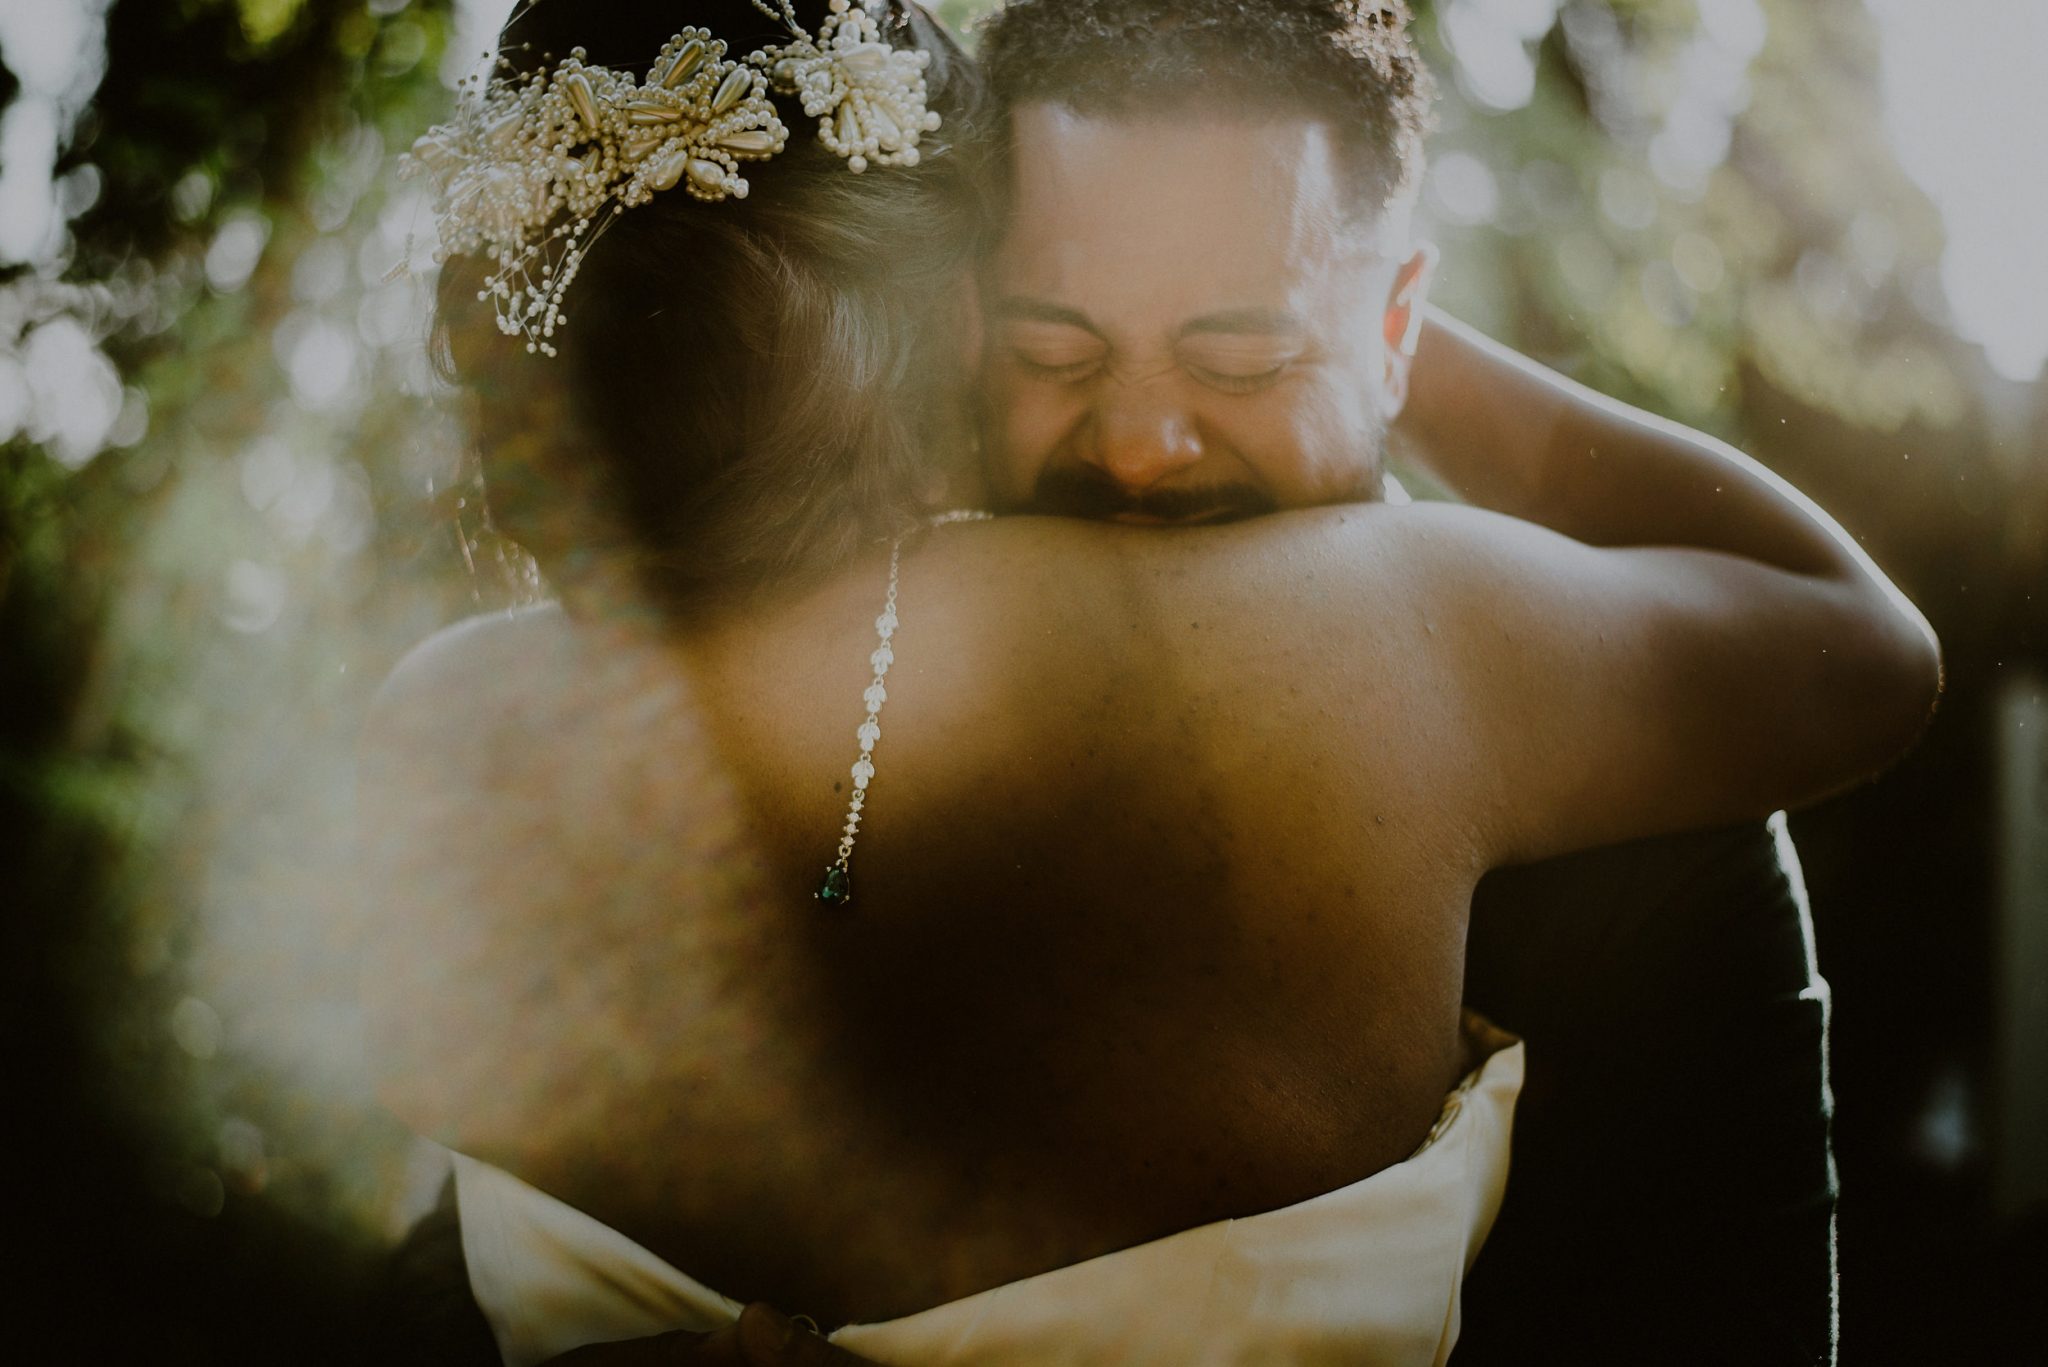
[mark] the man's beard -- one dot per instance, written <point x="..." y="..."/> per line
<point x="1086" y="492"/>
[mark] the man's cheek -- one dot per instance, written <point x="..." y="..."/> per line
<point x="1266" y="433"/>
<point x="1032" y="427"/>
<point x="1300" y="451"/>
<point x="1340" y="445"/>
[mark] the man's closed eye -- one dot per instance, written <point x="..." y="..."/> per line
<point x="1237" y="366"/>
<point x="1062" y="355"/>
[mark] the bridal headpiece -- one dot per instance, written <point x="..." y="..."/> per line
<point x="533" y="168"/>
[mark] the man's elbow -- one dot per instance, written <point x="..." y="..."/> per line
<point x="1901" y="684"/>
<point x="1869" y="670"/>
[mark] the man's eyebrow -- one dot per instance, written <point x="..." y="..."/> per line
<point x="1016" y="309"/>
<point x="1241" y="322"/>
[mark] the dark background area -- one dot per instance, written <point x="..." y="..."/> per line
<point x="195" y="610"/>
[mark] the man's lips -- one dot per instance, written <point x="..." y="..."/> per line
<point x="1135" y="519"/>
<point x="1086" y="493"/>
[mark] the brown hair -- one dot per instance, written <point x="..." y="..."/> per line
<point x="1353" y="64"/>
<point x="747" y="391"/>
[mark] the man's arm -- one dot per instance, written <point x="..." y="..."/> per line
<point x="1510" y="435"/>
<point x="1636" y="629"/>
<point x="1507" y="434"/>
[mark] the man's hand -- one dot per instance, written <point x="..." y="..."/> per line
<point x="762" y="1337"/>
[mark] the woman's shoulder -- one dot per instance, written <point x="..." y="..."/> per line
<point x="1052" y="559"/>
<point x="1066" y="601"/>
<point x="1141" y="652"/>
<point x="475" y="674"/>
<point x="473" y="651"/>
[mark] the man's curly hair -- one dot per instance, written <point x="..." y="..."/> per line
<point x="1352" y="64"/>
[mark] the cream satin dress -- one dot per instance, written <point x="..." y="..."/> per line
<point x="1368" y="1274"/>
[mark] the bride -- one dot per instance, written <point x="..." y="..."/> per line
<point x="1015" y="939"/>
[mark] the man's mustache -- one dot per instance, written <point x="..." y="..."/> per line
<point x="1086" y="492"/>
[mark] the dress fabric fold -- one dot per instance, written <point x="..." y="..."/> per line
<point x="1370" y="1273"/>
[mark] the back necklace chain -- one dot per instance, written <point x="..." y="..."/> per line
<point x="837" y="889"/>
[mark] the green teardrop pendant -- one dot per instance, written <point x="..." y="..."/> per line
<point x="837" y="889"/>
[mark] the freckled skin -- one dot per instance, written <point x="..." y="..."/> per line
<point x="1159" y="905"/>
<point x="1062" y="1016"/>
<point x="1140" y="938"/>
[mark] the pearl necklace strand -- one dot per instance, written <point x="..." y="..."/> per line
<point x="837" y="889"/>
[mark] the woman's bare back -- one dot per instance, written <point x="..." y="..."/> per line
<point x="1062" y="1016"/>
<point x="1160" y="897"/>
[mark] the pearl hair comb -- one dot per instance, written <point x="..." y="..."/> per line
<point x="532" y="169"/>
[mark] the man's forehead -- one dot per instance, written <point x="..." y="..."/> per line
<point x="1163" y="170"/>
<point x="1191" y="203"/>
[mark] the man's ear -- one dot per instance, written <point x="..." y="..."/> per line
<point x="1401" y="324"/>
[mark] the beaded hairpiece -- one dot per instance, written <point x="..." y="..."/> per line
<point x="532" y="169"/>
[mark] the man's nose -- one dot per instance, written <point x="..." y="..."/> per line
<point x="1142" y="435"/>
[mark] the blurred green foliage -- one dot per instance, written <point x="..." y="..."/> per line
<point x="1805" y="257"/>
<point x="194" y="617"/>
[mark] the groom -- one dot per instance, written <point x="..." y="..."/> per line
<point x="1672" y="1195"/>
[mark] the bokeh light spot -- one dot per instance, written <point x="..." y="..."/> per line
<point x="1966" y="103"/>
<point x="196" y="1028"/>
